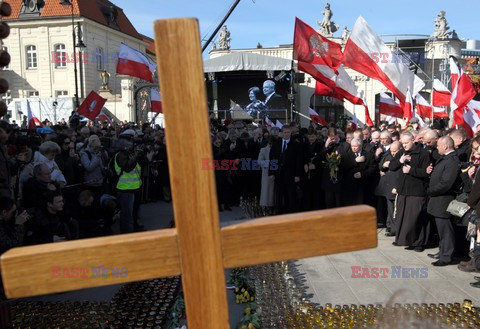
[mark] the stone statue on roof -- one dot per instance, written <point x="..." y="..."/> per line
<point x="327" y="27"/>
<point x="345" y="34"/>
<point x="441" y="26"/>
<point x="224" y="39"/>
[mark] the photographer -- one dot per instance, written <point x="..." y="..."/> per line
<point x="127" y="167"/>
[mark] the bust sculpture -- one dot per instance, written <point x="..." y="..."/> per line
<point x="441" y="26"/>
<point x="104" y="76"/>
<point x="327" y="27"/>
<point x="224" y="39"/>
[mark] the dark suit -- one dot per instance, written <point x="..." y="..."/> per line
<point x="276" y="102"/>
<point x="443" y="183"/>
<point x="384" y="189"/>
<point x="312" y="179"/>
<point x="290" y="163"/>
<point x="355" y="190"/>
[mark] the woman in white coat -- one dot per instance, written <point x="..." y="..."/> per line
<point x="267" y="194"/>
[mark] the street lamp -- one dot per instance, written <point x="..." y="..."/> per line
<point x="69" y="3"/>
<point x="81" y="46"/>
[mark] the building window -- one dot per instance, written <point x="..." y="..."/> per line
<point x="99" y="58"/>
<point x="31" y="57"/>
<point x="7" y="97"/>
<point x="60" y="56"/>
<point x="6" y="50"/>
<point x="33" y="93"/>
<point x="61" y="93"/>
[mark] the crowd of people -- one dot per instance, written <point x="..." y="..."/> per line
<point x="76" y="181"/>
<point x="65" y="182"/>
<point x="409" y="175"/>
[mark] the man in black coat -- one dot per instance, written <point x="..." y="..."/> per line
<point x="361" y="166"/>
<point x="288" y="156"/>
<point x="413" y="161"/>
<point x="388" y="181"/>
<point x="312" y="150"/>
<point x="441" y="190"/>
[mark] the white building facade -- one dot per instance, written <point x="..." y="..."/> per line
<point x="43" y="58"/>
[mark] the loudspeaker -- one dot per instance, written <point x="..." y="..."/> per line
<point x="299" y="77"/>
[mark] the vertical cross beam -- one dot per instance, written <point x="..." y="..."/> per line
<point x="194" y="198"/>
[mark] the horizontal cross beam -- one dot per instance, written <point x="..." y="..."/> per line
<point x="34" y="270"/>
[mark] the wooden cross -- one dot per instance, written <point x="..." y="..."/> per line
<point x="197" y="248"/>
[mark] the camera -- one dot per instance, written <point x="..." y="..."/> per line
<point x="406" y="162"/>
<point x="465" y="165"/>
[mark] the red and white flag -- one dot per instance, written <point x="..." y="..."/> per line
<point x="316" y="55"/>
<point x="135" y="64"/>
<point x="102" y="117"/>
<point x="408" y="108"/>
<point x="454" y="72"/>
<point x="424" y="109"/>
<point x="322" y="89"/>
<point x="155" y="101"/>
<point x="471" y="120"/>
<point x="366" y="53"/>
<point x="389" y="107"/>
<point x="441" y="95"/>
<point x="91" y="106"/>
<point x="33" y="122"/>
<point x="474" y="105"/>
<point x="316" y="117"/>
<point x="368" y="120"/>
<point x="354" y="125"/>
<point x="463" y="93"/>
<point x="269" y="122"/>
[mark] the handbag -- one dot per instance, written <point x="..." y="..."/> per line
<point x="457" y="208"/>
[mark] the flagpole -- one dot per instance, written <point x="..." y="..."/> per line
<point x="115" y="95"/>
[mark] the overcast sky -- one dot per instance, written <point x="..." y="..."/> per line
<point x="271" y="22"/>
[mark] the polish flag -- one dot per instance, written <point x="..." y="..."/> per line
<point x="33" y="121"/>
<point x="269" y="122"/>
<point x="424" y="109"/>
<point x="389" y="107"/>
<point x="366" y="53"/>
<point x="441" y="94"/>
<point x="462" y="94"/>
<point x="322" y="89"/>
<point x="454" y="72"/>
<point x="471" y="120"/>
<point x="155" y="101"/>
<point x="474" y="105"/>
<point x="102" y="117"/>
<point x="368" y="120"/>
<point x="91" y="106"/>
<point x="316" y="55"/>
<point x="135" y="64"/>
<point x="408" y="107"/>
<point x="279" y="124"/>
<point x="316" y="117"/>
<point x="354" y="122"/>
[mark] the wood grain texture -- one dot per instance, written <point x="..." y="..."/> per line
<point x="28" y="271"/>
<point x="300" y="235"/>
<point x="182" y="84"/>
